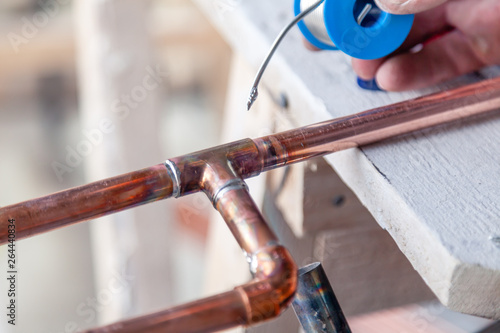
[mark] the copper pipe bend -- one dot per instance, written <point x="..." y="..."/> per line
<point x="274" y="286"/>
<point x="219" y="172"/>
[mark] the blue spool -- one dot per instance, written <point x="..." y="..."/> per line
<point x="378" y="35"/>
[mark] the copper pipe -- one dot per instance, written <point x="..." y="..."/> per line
<point x="250" y="157"/>
<point x="275" y="273"/>
<point x="219" y="172"/>
<point x="261" y="299"/>
<point x="85" y="202"/>
<point x="219" y="312"/>
<point x="378" y="124"/>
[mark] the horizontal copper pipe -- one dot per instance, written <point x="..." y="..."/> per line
<point x="85" y="202"/>
<point x="260" y="300"/>
<point x="378" y="124"/>
<point x="219" y="172"/>
<point x="249" y="158"/>
<point x="219" y="312"/>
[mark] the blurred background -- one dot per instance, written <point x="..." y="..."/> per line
<point x="152" y="71"/>
<point x="90" y="89"/>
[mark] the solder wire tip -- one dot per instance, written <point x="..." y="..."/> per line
<point x="254" y="93"/>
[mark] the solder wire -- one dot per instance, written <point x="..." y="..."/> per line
<point x="315" y="22"/>
<point x="319" y="30"/>
<point x="254" y="92"/>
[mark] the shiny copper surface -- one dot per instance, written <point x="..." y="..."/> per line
<point x="207" y="315"/>
<point x="245" y="221"/>
<point x="210" y="169"/>
<point x="275" y="273"/>
<point x="219" y="172"/>
<point x="261" y="299"/>
<point x="378" y="124"/>
<point x="85" y="202"/>
<point x="249" y="158"/>
<point x="274" y="285"/>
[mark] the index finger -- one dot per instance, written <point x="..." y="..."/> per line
<point x="407" y="6"/>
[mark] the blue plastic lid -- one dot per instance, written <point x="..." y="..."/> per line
<point x="378" y="35"/>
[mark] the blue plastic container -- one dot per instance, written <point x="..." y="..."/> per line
<point x="334" y="26"/>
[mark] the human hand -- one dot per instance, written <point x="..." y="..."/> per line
<point x="458" y="37"/>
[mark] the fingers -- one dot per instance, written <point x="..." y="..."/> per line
<point x="366" y="69"/>
<point x="309" y="46"/>
<point x="440" y="60"/>
<point x="407" y="6"/>
<point x="425" y="25"/>
<point x="472" y="41"/>
<point x="480" y="21"/>
<point x="474" y="44"/>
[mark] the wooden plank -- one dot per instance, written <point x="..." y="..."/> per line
<point x="492" y="328"/>
<point x="367" y="271"/>
<point x="365" y="267"/>
<point x="436" y="192"/>
<point x="329" y="204"/>
<point x="115" y="59"/>
<point x="430" y="317"/>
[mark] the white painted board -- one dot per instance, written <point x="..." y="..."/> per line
<point x="436" y="191"/>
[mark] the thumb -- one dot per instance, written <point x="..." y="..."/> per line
<point x="407" y="6"/>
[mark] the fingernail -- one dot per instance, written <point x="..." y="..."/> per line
<point x="381" y="4"/>
<point x="368" y="84"/>
<point x="398" y="6"/>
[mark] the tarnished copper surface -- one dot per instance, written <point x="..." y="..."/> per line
<point x="275" y="273"/>
<point x="219" y="172"/>
<point x="85" y="202"/>
<point x="236" y="159"/>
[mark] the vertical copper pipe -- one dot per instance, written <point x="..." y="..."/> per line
<point x="86" y="202"/>
<point x="245" y="221"/>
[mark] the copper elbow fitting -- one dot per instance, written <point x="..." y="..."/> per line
<point x="274" y="285"/>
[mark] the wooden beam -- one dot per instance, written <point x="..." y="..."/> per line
<point x="433" y="191"/>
